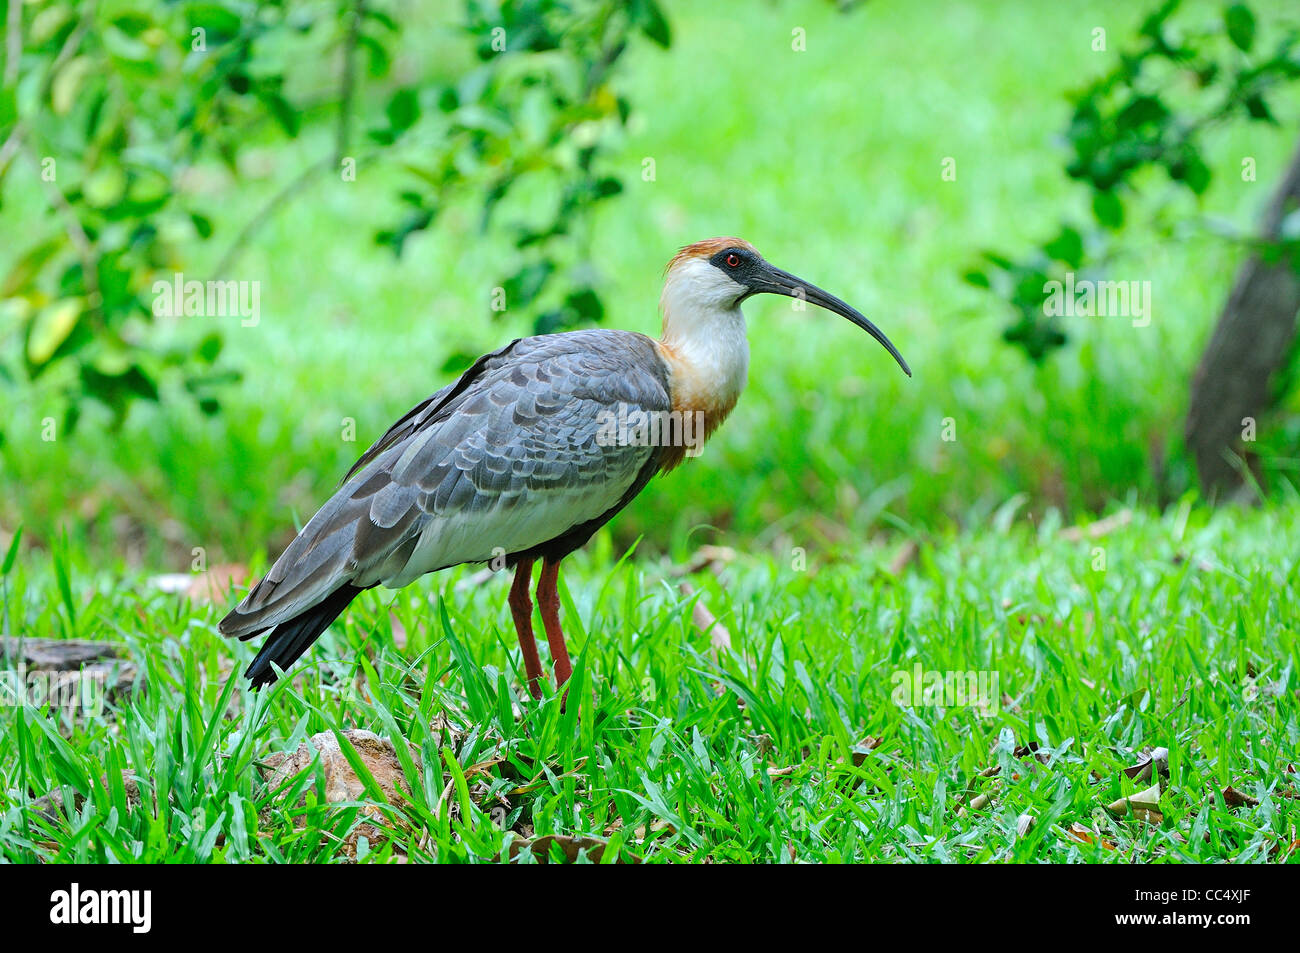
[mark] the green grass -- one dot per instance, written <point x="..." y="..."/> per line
<point x="1186" y="639"/>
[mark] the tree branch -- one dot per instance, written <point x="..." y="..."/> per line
<point x="266" y="212"/>
<point x="1250" y="343"/>
<point x="13" y="41"/>
<point x="348" y="86"/>
<point x="77" y="235"/>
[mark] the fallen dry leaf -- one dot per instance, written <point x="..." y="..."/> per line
<point x="708" y="557"/>
<point x="1078" y="832"/>
<point x="904" y="557"/>
<point x="719" y="637"/>
<point x="642" y="831"/>
<point x="569" y="846"/>
<point x="399" y="632"/>
<point x="862" y="748"/>
<point x="857" y="757"/>
<point x="215" y="584"/>
<point x="201" y="588"/>
<point x="1157" y="758"/>
<point x="1234" y="798"/>
<point x="1143" y="806"/>
<point x="978" y="803"/>
<point x="1100" y="528"/>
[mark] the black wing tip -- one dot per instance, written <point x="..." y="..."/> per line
<point x="260" y="674"/>
<point x="291" y="638"/>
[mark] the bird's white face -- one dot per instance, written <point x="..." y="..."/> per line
<point x="708" y="280"/>
<point x="695" y="284"/>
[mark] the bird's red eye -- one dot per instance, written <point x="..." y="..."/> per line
<point x="733" y="261"/>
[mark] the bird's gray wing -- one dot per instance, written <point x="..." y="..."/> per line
<point x="426" y="410"/>
<point x="507" y="458"/>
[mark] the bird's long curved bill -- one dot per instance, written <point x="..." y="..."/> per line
<point x="783" y="283"/>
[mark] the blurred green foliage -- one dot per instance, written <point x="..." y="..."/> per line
<point x="113" y="104"/>
<point x="1152" y="110"/>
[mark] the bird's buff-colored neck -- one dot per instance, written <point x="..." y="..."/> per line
<point x="704" y="342"/>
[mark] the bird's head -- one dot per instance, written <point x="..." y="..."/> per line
<point x="717" y="274"/>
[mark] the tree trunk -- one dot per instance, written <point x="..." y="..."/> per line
<point x="1249" y="344"/>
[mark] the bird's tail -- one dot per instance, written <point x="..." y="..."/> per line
<point x="294" y="636"/>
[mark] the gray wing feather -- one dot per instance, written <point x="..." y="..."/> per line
<point x="522" y="421"/>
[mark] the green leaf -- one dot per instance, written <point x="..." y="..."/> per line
<point x="50" y="328"/>
<point x="382" y="18"/>
<point x="105" y="186"/>
<point x="1240" y="22"/>
<point x="202" y="224"/>
<point x="12" y="553"/>
<point x="417" y="220"/>
<point x="403" y="109"/>
<point x="114" y="389"/>
<point x="281" y="109"/>
<point x="210" y="348"/>
<point x="1196" y="173"/>
<point x="471" y="674"/>
<point x="606" y="187"/>
<point x="359" y="766"/>
<point x="585" y="305"/>
<point x="132" y="23"/>
<point x="1066" y="247"/>
<point x="219" y="24"/>
<point x="128" y="50"/>
<point x="458" y="362"/>
<point x="1141" y="111"/>
<point x="1257" y="108"/>
<point x="1108" y="208"/>
<point x="527" y="283"/>
<point x="47" y="23"/>
<point x="63" y="580"/>
<point x="377" y="58"/>
<point x="67" y="83"/>
<point x="27" y="267"/>
<point x="1000" y="262"/>
<point x="8" y="108"/>
<point x="649" y="16"/>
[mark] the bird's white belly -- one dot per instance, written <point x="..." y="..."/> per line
<point x="489" y="534"/>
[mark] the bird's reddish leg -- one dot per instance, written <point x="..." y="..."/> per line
<point x="548" y="597"/>
<point x="521" y="607"/>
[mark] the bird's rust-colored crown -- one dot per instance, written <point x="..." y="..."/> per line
<point x="707" y="249"/>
